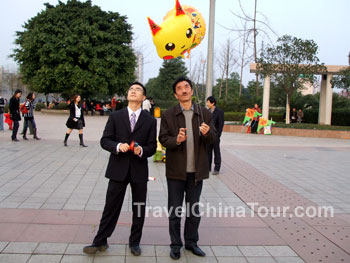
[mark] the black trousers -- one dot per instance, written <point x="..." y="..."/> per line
<point x="176" y="192"/>
<point x="217" y="155"/>
<point x="26" y="124"/>
<point x="15" y="129"/>
<point x="114" y="201"/>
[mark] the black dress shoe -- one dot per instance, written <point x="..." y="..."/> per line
<point x="196" y="250"/>
<point x="135" y="250"/>
<point x="15" y="140"/>
<point x="175" y="253"/>
<point x="92" y="249"/>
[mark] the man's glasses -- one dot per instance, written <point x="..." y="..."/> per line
<point x="136" y="89"/>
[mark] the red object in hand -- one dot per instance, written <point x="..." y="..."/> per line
<point x="132" y="145"/>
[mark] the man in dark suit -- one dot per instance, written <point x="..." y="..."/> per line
<point x="218" y="119"/>
<point x="185" y="131"/>
<point x="130" y="137"/>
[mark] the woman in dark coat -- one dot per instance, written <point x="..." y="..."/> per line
<point x="75" y="120"/>
<point x="14" y="113"/>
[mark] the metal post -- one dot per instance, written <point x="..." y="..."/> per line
<point x="210" y="59"/>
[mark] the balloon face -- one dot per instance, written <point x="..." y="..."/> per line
<point x="198" y="22"/>
<point x="175" y="36"/>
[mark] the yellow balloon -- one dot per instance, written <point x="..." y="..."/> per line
<point x="198" y="22"/>
<point x="183" y="28"/>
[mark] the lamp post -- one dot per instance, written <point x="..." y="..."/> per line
<point x="210" y="59"/>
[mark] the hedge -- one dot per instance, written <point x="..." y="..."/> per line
<point x="40" y="106"/>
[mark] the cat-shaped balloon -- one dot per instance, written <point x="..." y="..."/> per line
<point x="182" y="29"/>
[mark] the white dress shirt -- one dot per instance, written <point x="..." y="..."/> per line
<point x="137" y="113"/>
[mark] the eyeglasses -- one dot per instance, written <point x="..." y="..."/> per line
<point x="136" y="89"/>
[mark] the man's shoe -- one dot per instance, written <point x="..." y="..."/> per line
<point x="92" y="249"/>
<point x="15" y="140"/>
<point x="215" y="172"/>
<point x="175" y="253"/>
<point x="196" y="250"/>
<point x="135" y="250"/>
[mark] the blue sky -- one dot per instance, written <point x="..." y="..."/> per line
<point x="325" y="22"/>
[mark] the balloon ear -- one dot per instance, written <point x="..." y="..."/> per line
<point x="154" y="27"/>
<point x="179" y="10"/>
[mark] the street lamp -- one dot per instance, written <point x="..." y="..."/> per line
<point x="210" y="59"/>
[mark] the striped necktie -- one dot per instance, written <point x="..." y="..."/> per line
<point x="133" y="121"/>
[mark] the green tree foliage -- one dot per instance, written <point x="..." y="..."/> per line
<point x="291" y="63"/>
<point x="233" y="101"/>
<point x="342" y="81"/>
<point x="76" y="48"/>
<point x="160" y="88"/>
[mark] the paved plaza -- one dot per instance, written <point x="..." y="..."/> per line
<point x="51" y="199"/>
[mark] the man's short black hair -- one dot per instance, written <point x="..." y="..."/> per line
<point x="182" y="78"/>
<point x="212" y="100"/>
<point x="140" y="84"/>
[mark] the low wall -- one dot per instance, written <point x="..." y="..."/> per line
<point x="297" y="132"/>
<point x="52" y="111"/>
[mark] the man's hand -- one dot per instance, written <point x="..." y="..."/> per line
<point x="181" y="137"/>
<point x="124" y="147"/>
<point x="204" y="128"/>
<point x="137" y="150"/>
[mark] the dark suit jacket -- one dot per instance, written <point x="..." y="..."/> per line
<point x="118" y="130"/>
<point x="218" y="119"/>
<point x="172" y="120"/>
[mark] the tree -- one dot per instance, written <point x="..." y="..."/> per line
<point x="251" y="26"/>
<point x="76" y="48"/>
<point x="342" y="81"/>
<point x="160" y="88"/>
<point x="226" y="61"/>
<point x="291" y="63"/>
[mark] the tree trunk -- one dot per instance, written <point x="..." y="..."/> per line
<point x="255" y="55"/>
<point x="288" y="109"/>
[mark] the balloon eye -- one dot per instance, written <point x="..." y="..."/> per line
<point x="170" y="46"/>
<point x="189" y="33"/>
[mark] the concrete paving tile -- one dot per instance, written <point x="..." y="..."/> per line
<point x="140" y="259"/>
<point x="20" y="247"/>
<point x="280" y="251"/>
<point x="168" y="259"/>
<point x="260" y="260"/>
<point x="254" y="251"/>
<point x="31" y="205"/>
<point x="51" y="248"/>
<point x="231" y="260"/>
<point x="226" y="251"/>
<point x="201" y="259"/>
<point x="77" y="259"/>
<point x="289" y="260"/>
<point x="75" y="249"/>
<point x="14" y="258"/>
<point x="45" y="259"/>
<point x="3" y="245"/>
<point x="109" y="259"/>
